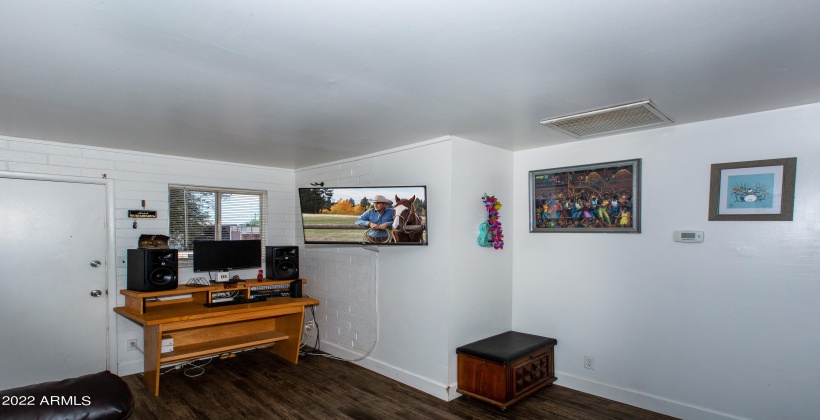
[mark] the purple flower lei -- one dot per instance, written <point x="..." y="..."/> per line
<point x="493" y="206"/>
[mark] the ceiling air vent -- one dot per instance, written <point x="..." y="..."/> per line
<point x="616" y="119"/>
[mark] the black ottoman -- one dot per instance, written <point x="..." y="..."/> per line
<point x="100" y="395"/>
<point x="505" y="368"/>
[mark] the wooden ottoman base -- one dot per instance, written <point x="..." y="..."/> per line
<point x="505" y="368"/>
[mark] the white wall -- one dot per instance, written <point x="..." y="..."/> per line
<point x="143" y="176"/>
<point x="430" y="299"/>
<point x="722" y="329"/>
<point x="343" y="279"/>
<point x="480" y="280"/>
<point x="411" y="318"/>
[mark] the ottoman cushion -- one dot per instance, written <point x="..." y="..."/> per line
<point x="506" y="347"/>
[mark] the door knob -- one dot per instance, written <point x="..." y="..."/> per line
<point x="96" y="293"/>
<point x="95" y="263"/>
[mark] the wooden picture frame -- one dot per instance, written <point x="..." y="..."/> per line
<point x="599" y="198"/>
<point x="756" y="190"/>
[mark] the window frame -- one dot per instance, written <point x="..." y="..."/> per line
<point x="186" y="256"/>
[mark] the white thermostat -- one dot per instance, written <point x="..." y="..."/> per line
<point x="688" y="236"/>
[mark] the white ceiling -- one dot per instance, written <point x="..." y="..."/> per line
<point x="297" y="83"/>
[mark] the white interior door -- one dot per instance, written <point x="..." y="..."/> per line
<point x="52" y="326"/>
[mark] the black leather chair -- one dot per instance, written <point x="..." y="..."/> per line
<point x="100" y="395"/>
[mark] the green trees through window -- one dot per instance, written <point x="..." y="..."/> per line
<point x="201" y="213"/>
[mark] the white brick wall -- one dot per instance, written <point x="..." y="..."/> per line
<point x="372" y="297"/>
<point x="143" y="176"/>
<point x="342" y="278"/>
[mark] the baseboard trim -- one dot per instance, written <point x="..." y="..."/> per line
<point x="427" y="385"/>
<point x="641" y="399"/>
<point x="130" y="367"/>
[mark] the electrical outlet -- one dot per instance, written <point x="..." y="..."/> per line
<point x="132" y="345"/>
<point x="309" y="325"/>
<point x="589" y="362"/>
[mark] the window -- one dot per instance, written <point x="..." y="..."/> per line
<point x="202" y="213"/>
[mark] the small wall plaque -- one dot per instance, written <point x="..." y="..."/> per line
<point x="142" y="214"/>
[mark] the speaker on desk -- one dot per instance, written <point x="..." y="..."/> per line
<point x="282" y="262"/>
<point x="151" y="270"/>
<point x="296" y="288"/>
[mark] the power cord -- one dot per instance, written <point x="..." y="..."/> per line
<point x="317" y="346"/>
<point x="189" y="367"/>
<point x="192" y="369"/>
<point x="197" y="369"/>
<point x="198" y="281"/>
<point x="134" y="345"/>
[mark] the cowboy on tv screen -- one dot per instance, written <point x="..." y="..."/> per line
<point x="364" y="215"/>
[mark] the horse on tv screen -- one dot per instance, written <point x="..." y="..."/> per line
<point x="364" y="215"/>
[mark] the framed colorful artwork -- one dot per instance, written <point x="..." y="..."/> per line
<point x="757" y="190"/>
<point x="603" y="197"/>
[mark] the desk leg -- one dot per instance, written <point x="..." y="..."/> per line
<point x="152" y="342"/>
<point x="291" y="325"/>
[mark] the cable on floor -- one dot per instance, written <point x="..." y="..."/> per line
<point x="317" y="345"/>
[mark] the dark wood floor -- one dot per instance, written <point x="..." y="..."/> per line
<point x="257" y="385"/>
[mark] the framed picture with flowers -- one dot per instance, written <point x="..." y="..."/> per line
<point x="757" y="190"/>
<point x="601" y="197"/>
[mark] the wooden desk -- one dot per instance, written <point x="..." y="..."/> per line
<point x="200" y="331"/>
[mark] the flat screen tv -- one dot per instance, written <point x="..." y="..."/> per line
<point x="227" y="255"/>
<point x="365" y="215"/>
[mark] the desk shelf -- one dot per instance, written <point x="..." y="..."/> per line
<point x="221" y="346"/>
<point x="150" y="302"/>
<point x="200" y="331"/>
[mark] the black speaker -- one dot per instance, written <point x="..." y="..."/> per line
<point x="282" y="262"/>
<point x="151" y="270"/>
<point x="296" y="289"/>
